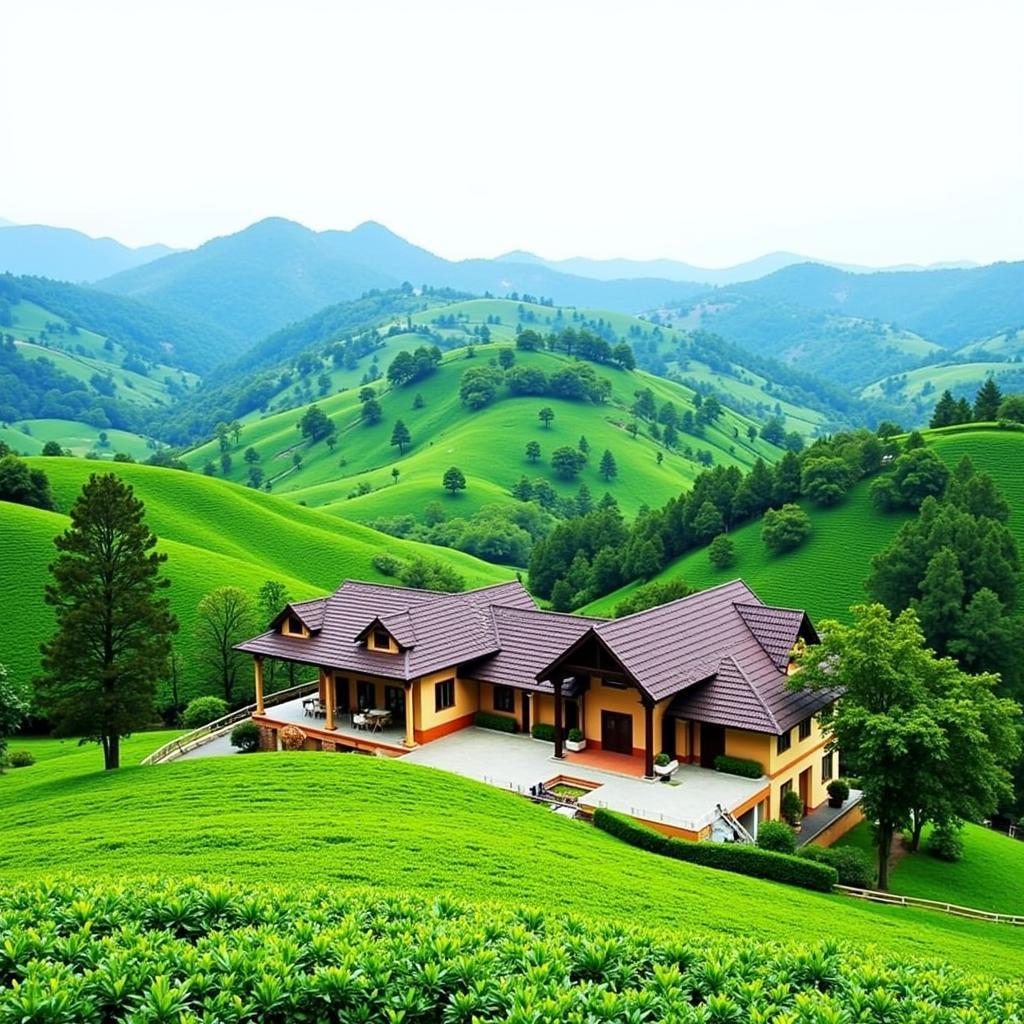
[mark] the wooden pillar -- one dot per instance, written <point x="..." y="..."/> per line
<point x="328" y="679"/>
<point x="410" y="735"/>
<point x="257" y="668"/>
<point x="559" y="752"/>
<point x="527" y="710"/>
<point x="648" y="738"/>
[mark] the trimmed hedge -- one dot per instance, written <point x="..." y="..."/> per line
<point x="853" y="866"/>
<point x="742" y="766"/>
<point x="543" y="731"/>
<point x="743" y="860"/>
<point x="203" y="710"/>
<point x="246" y="736"/>
<point x="776" y="836"/>
<point x="501" y="723"/>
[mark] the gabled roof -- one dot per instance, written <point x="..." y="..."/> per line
<point x="720" y="653"/>
<point x="309" y="613"/>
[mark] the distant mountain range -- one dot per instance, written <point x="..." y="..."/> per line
<point x="67" y="255"/>
<point x="674" y="270"/>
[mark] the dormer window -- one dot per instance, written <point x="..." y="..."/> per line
<point x="292" y="626"/>
<point x="380" y="640"/>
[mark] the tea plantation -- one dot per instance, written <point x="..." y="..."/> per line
<point x="346" y="823"/>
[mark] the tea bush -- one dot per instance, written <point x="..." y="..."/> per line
<point x="189" y="952"/>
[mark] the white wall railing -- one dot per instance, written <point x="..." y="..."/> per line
<point x="219" y="726"/>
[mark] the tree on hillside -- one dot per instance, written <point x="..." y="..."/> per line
<point x="644" y="406"/>
<point x="315" y="424"/>
<point x="623" y="355"/>
<point x="546" y="415"/>
<point x="927" y="740"/>
<point x="13" y="709"/>
<point x="608" y="469"/>
<point x="568" y="462"/>
<point x="532" y="450"/>
<point x="774" y="431"/>
<point x="1011" y="408"/>
<point x="252" y="456"/>
<point x="479" y="385"/>
<point x="371" y="412"/>
<point x="453" y="480"/>
<point x="785" y="528"/>
<point x="825" y="479"/>
<point x="236" y="430"/>
<point x="112" y="641"/>
<point x="986" y="401"/>
<point x="721" y="552"/>
<point x="52" y="448"/>
<point x="915" y="475"/>
<point x="400" y="436"/>
<point x="224" y="618"/>
<point x="584" y="445"/>
<point x="708" y="521"/>
<point x="270" y="599"/>
<point x="23" y="486"/>
<point x="506" y="358"/>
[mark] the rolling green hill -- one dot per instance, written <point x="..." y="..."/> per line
<point x="215" y="534"/>
<point x="488" y="445"/>
<point x="405" y="829"/>
<point x="826" y="574"/>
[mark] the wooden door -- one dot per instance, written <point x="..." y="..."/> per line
<point x="616" y="732"/>
<point x="394" y="701"/>
<point x="805" y="789"/>
<point x="712" y="744"/>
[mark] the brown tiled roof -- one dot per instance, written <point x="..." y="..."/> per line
<point x="721" y="653"/>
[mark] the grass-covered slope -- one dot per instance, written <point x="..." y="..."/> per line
<point x="487" y="445"/>
<point x="349" y="822"/>
<point x="987" y="877"/>
<point x="215" y="534"/>
<point x="826" y="574"/>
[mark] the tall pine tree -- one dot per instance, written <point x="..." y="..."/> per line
<point x="986" y="401"/>
<point x="112" y="642"/>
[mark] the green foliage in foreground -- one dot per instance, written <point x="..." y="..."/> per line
<point x="744" y="860"/>
<point x="188" y="952"/>
<point x="402" y="829"/>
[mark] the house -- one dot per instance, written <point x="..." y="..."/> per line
<point x="695" y="678"/>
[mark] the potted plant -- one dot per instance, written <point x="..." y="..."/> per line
<point x="792" y="808"/>
<point x="575" y="741"/>
<point x="838" y="792"/>
<point x="664" y="765"/>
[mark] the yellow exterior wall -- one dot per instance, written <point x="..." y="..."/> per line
<point x="544" y="708"/>
<point x="392" y="647"/>
<point x="487" y="702"/>
<point x="797" y="749"/>
<point x="466" y="700"/>
<point x="755" y="746"/>
<point x="285" y="631"/>
<point x="808" y="757"/>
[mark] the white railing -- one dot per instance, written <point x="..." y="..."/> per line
<point x="219" y="726"/>
<point x="645" y="814"/>
<point x="876" y="896"/>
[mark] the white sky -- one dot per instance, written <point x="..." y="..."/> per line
<point x="711" y="132"/>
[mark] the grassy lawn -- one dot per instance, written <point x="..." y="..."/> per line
<point x="348" y="822"/>
<point x="989" y="876"/>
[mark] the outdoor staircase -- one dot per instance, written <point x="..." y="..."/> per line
<point x="742" y="835"/>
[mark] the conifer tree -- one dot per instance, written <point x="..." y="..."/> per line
<point x="986" y="401"/>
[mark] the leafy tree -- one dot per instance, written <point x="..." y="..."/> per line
<point x="506" y="358"/>
<point x="13" y="709"/>
<point x="942" y="597"/>
<point x="786" y="487"/>
<point x="417" y="402"/>
<point x="644" y="406"/>
<point x="1011" y="409"/>
<point x="225" y="463"/>
<point x="371" y="412"/>
<point x="927" y="740"/>
<point x="395" y="474"/>
<point x="623" y="355"/>
<point x="478" y="386"/>
<point x="987" y="400"/>
<point x="315" y="424"/>
<point x="708" y="522"/>
<point x="721" y="552"/>
<point x="949" y="412"/>
<point x="431" y="574"/>
<point x="400" y="436"/>
<point x="112" y="639"/>
<point x="527" y="380"/>
<point x="52" y="448"/>
<point x="23" y="486"/>
<point x="915" y="475"/>
<point x="786" y="528"/>
<point x="652" y="594"/>
<point x="532" y="450"/>
<point x="774" y="431"/>
<point x="224" y="618"/>
<point x="671" y="436"/>
<point x="252" y="456"/>
<point x="454" y="480"/>
<point x="546" y="415"/>
<point x="825" y="479"/>
<point x="568" y="462"/>
<point x="523" y="490"/>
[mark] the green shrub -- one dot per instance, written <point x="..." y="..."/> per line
<point x="501" y="723"/>
<point x="743" y="766"/>
<point x="776" y="836"/>
<point x="246" y="736"/>
<point x="203" y="710"/>
<point x="387" y="565"/>
<point x="946" y="842"/>
<point x="575" y="735"/>
<point x="741" y="859"/>
<point x="839" y="789"/>
<point x="854" y="867"/>
<point x="543" y="731"/>
<point x="662" y="759"/>
<point x="20" y="758"/>
<point x="183" y="951"/>
<point x="792" y="807"/>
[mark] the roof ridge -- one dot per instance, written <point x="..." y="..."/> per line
<point x="754" y="690"/>
<point x="575" y="616"/>
<point x="770" y="607"/>
<point x="680" y="600"/>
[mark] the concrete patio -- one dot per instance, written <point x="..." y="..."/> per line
<point x="519" y="762"/>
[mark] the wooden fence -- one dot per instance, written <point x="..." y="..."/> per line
<point x="947" y="908"/>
